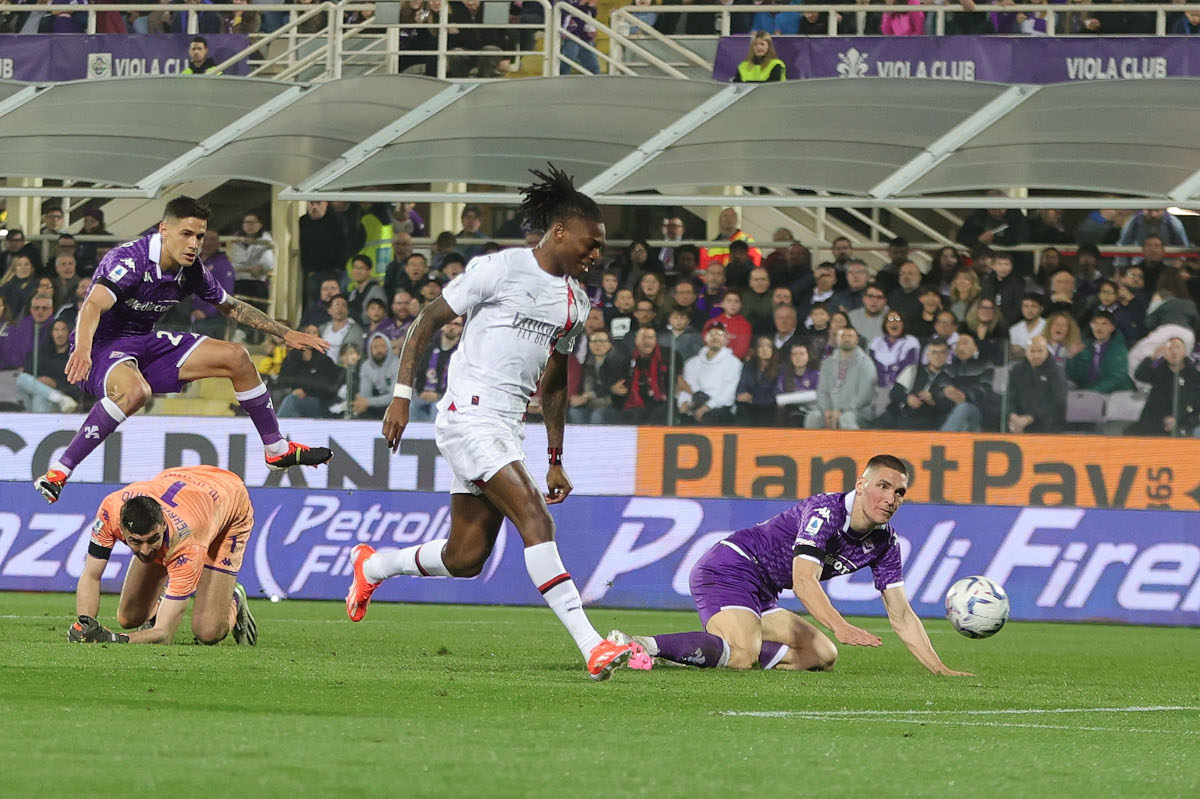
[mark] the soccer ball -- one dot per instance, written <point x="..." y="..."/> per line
<point x="976" y="607"/>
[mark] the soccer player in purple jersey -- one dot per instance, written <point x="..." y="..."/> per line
<point x="119" y="358"/>
<point x="736" y="584"/>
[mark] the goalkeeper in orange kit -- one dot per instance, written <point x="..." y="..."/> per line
<point x="188" y="529"/>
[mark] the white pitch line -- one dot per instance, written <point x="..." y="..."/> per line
<point x="846" y="714"/>
<point x="1012" y="724"/>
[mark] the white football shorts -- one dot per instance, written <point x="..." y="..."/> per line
<point x="477" y="444"/>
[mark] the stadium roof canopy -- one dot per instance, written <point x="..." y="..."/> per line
<point x="628" y="140"/>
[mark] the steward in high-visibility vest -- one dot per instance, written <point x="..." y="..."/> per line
<point x="762" y="65"/>
<point x="749" y="72"/>
<point x="198" y="61"/>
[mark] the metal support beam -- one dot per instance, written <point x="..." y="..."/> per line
<point x="74" y="191"/>
<point x="20" y="98"/>
<point x="176" y="169"/>
<point x="650" y="149"/>
<point x="1187" y="189"/>
<point x="381" y="138"/>
<point x="945" y="145"/>
<point x="748" y="200"/>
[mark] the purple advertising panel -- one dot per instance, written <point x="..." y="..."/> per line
<point x="68" y="56"/>
<point x="985" y="58"/>
<point x="1059" y="564"/>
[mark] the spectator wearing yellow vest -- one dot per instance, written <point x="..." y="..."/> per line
<point x="729" y="231"/>
<point x="762" y="65"/>
<point x="198" y="61"/>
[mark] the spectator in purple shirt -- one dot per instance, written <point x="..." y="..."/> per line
<point x="27" y="333"/>
<point x="585" y="31"/>
<point x="206" y="319"/>
<point x="63" y="21"/>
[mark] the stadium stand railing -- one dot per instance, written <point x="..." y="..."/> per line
<point x="329" y="40"/>
<point x="694" y="53"/>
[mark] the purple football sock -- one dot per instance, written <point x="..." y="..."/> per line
<point x="771" y="653"/>
<point x="257" y="403"/>
<point x="703" y="650"/>
<point x="101" y="420"/>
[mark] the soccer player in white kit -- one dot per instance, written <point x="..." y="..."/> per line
<point x="523" y="309"/>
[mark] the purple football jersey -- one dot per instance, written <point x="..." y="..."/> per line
<point x="818" y="529"/>
<point x="143" y="291"/>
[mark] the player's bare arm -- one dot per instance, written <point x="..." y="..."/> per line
<point x="98" y="300"/>
<point x="246" y="314"/>
<point x="432" y="317"/>
<point x="554" y="411"/>
<point x="806" y="585"/>
<point x="86" y="629"/>
<point x="87" y="590"/>
<point x="912" y="633"/>
<point x="166" y="623"/>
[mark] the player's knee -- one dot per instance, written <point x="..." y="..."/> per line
<point x="209" y="632"/>
<point x="827" y="655"/>
<point x="131" y="397"/>
<point x="237" y="361"/>
<point x="129" y="620"/>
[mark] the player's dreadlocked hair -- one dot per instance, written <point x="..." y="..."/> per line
<point x="554" y="198"/>
<point x="140" y="515"/>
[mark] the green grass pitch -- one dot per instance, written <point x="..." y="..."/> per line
<point x="493" y="702"/>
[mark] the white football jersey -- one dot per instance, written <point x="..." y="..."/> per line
<point x="515" y="314"/>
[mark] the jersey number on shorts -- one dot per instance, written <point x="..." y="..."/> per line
<point x="174" y="338"/>
<point x="169" y="495"/>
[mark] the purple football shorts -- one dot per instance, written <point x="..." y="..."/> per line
<point x="158" y="356"/>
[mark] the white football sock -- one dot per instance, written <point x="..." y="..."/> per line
<point x="424" y="560"/>
<point x="280" y="447"/>
<point x="58" y="466"/>
<point x="549" y="576"/>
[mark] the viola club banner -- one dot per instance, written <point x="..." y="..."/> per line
<point x="636" y="552"/>
<point x="599" y="460"/>
<point x="984" y="58"/>
<point x="960" y="468"/>
<point x="61" y="57"/>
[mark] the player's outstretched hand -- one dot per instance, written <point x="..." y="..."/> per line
<point x="945" y="672"/>
<point x="559" y="485"/>
<point x="394" y="422"/>
<point x="305" y="341"/>
<point x="78" y="366"/>
<point x="856" y="636"/>
<point x="87" y="630"/>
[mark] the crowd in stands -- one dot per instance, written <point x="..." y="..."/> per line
<point x="970" y="337"/>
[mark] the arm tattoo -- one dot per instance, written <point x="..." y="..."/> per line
<point x="248" y="315"/>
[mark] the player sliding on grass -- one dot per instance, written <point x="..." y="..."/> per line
<point x="524" y="308"/>
<point x="188" y="529"/>
<point x="119" y="358"/>
<point x="736" y="583"/>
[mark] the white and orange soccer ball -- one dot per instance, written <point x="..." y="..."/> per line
<point x="976" y="607"/>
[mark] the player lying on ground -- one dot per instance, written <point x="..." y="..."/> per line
<point x="188" y="529"/>
<point x="120" y="359"/>
<point x="523" y="309"/>
<point x="735" y="584"/>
